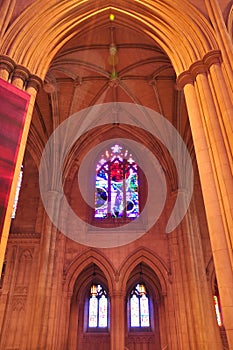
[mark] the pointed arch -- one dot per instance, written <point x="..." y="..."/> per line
<point x="81" y="262"/>
<point x="147" y="257"/>
<point x="172" y="24"/>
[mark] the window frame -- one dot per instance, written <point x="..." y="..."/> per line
<point x="97" y="329"/>
<point x="141" y="193"/>
<point x="140" y="328"/>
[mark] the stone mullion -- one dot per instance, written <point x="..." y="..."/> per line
<point x="210" y="188"/>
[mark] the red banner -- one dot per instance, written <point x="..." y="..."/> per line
<point x="13" y="110"/>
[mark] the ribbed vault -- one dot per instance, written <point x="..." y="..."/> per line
<point x="34" y="43"/>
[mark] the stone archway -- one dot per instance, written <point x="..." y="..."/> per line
<point x="184" y="37"/>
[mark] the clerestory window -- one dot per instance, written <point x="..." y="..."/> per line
<point x="117" y="185"/>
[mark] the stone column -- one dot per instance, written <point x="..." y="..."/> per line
<point x="196" y="326"/>
<point x="6" y="10"/>
<point x="55" y="315"/>
<point x="177" y="300"/>
<point x="215" y="178"/>
<point x="222" y="37"/>
<point x="223" y="102"/>
<point x="43" y="288"/>
<point x="220" y="162"/>
<point x="117" y="323"/>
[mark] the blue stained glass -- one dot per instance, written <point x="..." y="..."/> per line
<point x="116" y="192"/>
<point x="132" y="207"/>
<point x="101" y="194"/>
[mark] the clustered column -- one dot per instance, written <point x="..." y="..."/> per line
<point x="209" y="105"/>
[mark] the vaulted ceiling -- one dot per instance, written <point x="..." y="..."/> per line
<point x="110" y="63"/>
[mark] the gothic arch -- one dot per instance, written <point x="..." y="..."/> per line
<point x="81" y="262"/>
<point x="108" y="132"/>
<point x="145" y="256"/>
<point x="34" y="43"/>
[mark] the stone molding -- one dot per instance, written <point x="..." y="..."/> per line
<point x="19" y="72"/>
<point x="198" y="67"/>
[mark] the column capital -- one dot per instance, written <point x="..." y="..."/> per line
<point x="21" y="72"/>
<point x="183" y="79"/>
<point x="198" y="67"/>
<point x="34" y="82"/>
<point x="212" y="57"/>
<point x="7" y="65"/>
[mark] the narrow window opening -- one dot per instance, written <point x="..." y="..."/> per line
<point x="16" y="199"/>
<point x="98" y="308"/>
<point x="139" y="307"/>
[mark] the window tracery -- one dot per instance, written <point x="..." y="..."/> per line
<point x="116" y="185"/>
<point x="98" y="307"/>
<point x="139" y="307"/>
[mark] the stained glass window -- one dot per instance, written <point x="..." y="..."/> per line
<point x="98" y="307"/>
<point x="116" y="193"/>
<point x="17" y="193"/>
<point x="139" y="307"/>
<point x="217" y="311"/>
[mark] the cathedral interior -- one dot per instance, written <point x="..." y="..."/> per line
<point x="122" y="231"/>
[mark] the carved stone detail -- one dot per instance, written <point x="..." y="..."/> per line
<point x="144" y="338"/>
<point x="21" y="290"/>
<point x="18" y="303"/>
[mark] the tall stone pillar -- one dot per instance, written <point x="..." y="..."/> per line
<point x="216" y="180"/>
<point x="194" y="309"/>
<point x="224" y="103"/>
<point x="117" y="323"/>
<point x="223" y="38"/>
<point x="44" y="284"/>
